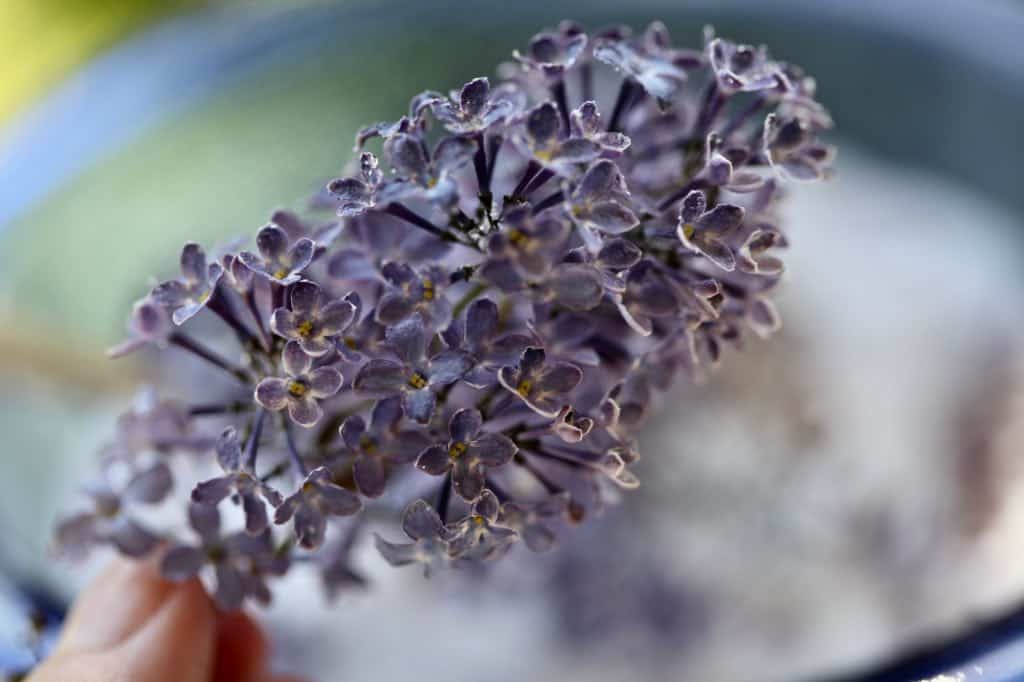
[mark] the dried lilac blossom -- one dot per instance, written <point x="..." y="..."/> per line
<point x="302" y="388"/>
<point x="189" y="294"/>
<point x="279" y="259"/>
<point x="382" y="444"/>
<point x="316" y="499"/>
<point x="414" y="377"/>
<point x="651" y="61"/>
<point x="477" y="107"/>
<point x="232" y="557"/>
<point x="149" y="324"/>
<point x="477" y="536"/>
<point x="706" y="231"/>
<point x="468" y="453"/>
<point x="552" y="54"/>
<point x="513" y="284"/>
<point x="543" y="139"/>
<point x="238" y="479"/>
<point x="430" y="537"/>
<point x="111" y="521"/>
<point x="312" y="321"/>
<point x="541" y="385"/>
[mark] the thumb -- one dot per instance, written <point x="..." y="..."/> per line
<point x="132" y="624"/>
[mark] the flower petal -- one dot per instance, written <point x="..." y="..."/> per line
<point x="272" y="393"/>
<point x="434" y="460"/>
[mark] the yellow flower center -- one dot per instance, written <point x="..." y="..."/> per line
<point x="305" y="328"/>
<point x="524" y="387"/>
<point x="479" y="521"/>
<point x="688" y="230"/>
<point x="417" y="381"/>
<point x="205" y="296"/>
<point x="518" y="238"/>
<point x="280" y="274"/>
<point x="544" y="154"/>
<point x="457" y="449"/>
<point x="428" y="289"/>
<point x="368" y="445"/>
<point x="298" y="389"/>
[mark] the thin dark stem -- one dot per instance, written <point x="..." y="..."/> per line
<point x="668" y="201"/>
<point x="498" y="491"/>
<point x="253" y="446"/>
<point x="549" y="485"/>
<point x="468" y="298"/>
<point x="254" y="310"/>
<point x="548" y="201"/>
<point x="710" y="108"/>
<point x="480" y="165"/>
<point x="218" y="409"/>
<point x="494" y="143"/>
<point x="199" y="350"/>
<point x="538" y="181"/>
<point x="562" y="100"/>
<point x="222" y="308"/>
<point x="623" y="101"/>
<point x="743" y="116"/>
<point x="532" y="168"/>
<point x="293" y="452"/>
<point x="413" y="218"/>
<point x="444" y="497"/>
<point x="277" y="292"/>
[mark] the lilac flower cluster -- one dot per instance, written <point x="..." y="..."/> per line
<point x="480" y="324"/>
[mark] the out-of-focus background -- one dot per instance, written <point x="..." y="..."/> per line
<point x="849" y="490"/>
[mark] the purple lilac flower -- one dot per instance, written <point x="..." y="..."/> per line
<point x="599" y="204"/>
<point x="380" y="445"/>
<point x="513" y="285"/>
<point x="531" y="520"/>
<point x="430" y="540"/>
<point x="586" y="123"/>
<point x="651" y="61"/>
<point x="707" y="231"/>
<point x="313" y="322"/>
<point x="793" y="151"/>
<point x="542" y="139"/>
<point x="468" y="454"/>
<point x="302" y="388"/>
<point x="317" y="498"/>
<point x="742" y="68"/>
<point x="111" y="521"/>
<point x="279" y="260"/>
<point x="189" y="294"/>
<point x="357" y="195"/>
<point x="477" y="107"/>
<point x="232" y="558"/>
<point x="414" y="292"/>
<point x="540" y="385"/>
<point x="423" y="174"/>
<point x="149" y="324"/>
<point x="552" y="54"/>
<point x="238" y="479"/>
<point x="477" y="536"/>
<point x="413" y="376"/>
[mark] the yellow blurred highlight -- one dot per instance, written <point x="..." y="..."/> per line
<point x="45" y="39"/>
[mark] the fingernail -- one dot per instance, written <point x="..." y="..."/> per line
<point x="114" y="606"/>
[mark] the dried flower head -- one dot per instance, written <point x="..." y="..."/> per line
<point x="511" y="279"/>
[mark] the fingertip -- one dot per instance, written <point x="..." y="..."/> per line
<point x="241" y="648"/>
<point x="178" y="639"/>
<point x="118" y="602"/>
